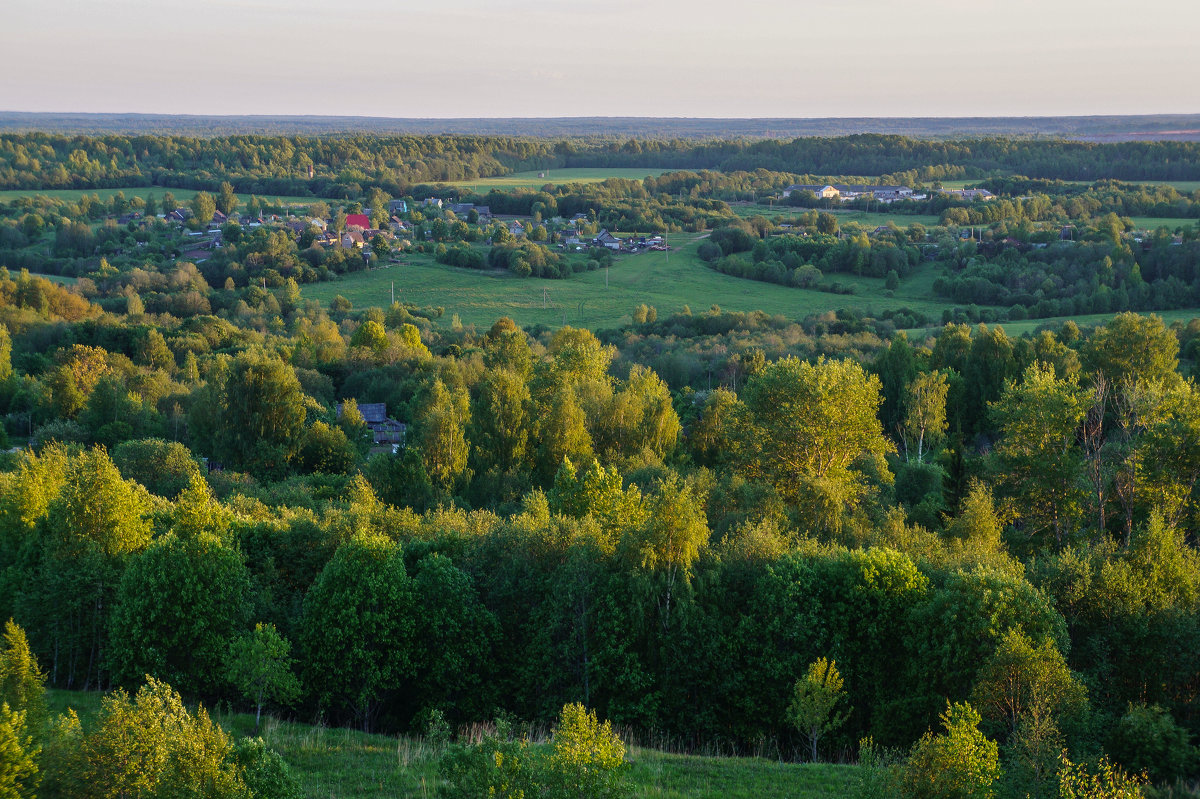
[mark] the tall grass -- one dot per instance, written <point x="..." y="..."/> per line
<point x="339" y="763"/>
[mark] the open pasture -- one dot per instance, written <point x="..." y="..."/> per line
<point x="866" y="219"/>
<point x="667" y="281"/>
<point x="538" y="178"/>
<point x="1152" y="222"/>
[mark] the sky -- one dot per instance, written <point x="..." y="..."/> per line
<point x="660" y="58"/>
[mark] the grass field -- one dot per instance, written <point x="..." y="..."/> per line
<point x="531" y="180"/>
<point x="1152" y="222"/>
<point x="583" y="300"/>
<point x="352" y="765"/>
<point x="866" y="219"/>
<point x="66" y="281"/>
<point x="1024" y="326"/>
<point x="182" y="195"/>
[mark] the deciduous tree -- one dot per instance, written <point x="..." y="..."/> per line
<point x="815" y="697"/>
<point x="259" y="664"/>
<point x="357" y="628"/>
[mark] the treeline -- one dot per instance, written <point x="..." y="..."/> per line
<point x="1103" y="271"/>
<point x="876" y="154"/>
<point x="344" y="167"/>
<point x="1103" y="197"/>
<point x="275" y="165"/>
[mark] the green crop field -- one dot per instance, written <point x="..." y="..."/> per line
<point x="353" y="765"/>
<point x="531" y="180"/>
<point x="182" y="195"/>
<point x="1152" y="222"/>
<point x="583" y="300"/>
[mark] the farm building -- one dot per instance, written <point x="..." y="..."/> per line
<point x="969" y="194"/>
<point x="845" y="193"/>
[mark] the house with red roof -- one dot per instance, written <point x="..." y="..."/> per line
<point x="358" y="220"/>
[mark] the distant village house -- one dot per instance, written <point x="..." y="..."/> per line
<point x="384" y="429"/>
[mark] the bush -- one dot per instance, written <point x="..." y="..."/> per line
<point x="264" y="771"/>
<point x="959" y="764"/>
<point x="708" y="251"/>
<point x="586" y="761"/>
<point x="498" y="766"/>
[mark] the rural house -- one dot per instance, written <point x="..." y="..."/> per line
<point x="384" y="429"/>
<point x="607" y="240"/>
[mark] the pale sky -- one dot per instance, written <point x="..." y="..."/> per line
<point x="530" y="58"/>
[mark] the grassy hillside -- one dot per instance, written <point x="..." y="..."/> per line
<point x="668" y="282"/>
<point x="347" y="764"/>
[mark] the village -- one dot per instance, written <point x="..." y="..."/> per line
<point x="364" y="231"/>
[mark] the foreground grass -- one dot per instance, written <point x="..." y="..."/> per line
<point x="347" y="764"/>
<point x="599" y="301"/>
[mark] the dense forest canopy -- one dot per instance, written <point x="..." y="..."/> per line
<point x="802" y="537"/>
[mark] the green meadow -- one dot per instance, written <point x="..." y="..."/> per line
<point x="667" y="281"/>
<point x="1152" y="222"/>
<point x="538" y="178"/>
<point x="347" y="764"/>
<point x="66" y="281"/>
<point x="865" y="219"/>
<point x="182" y="195"/>
<point x="1024" y="326"/>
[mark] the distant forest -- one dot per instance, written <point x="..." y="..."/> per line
<point x="1161" y="127"/>
<point x="346" y="167"/>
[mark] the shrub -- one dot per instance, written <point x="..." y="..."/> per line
<point x="961" y="763"/>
